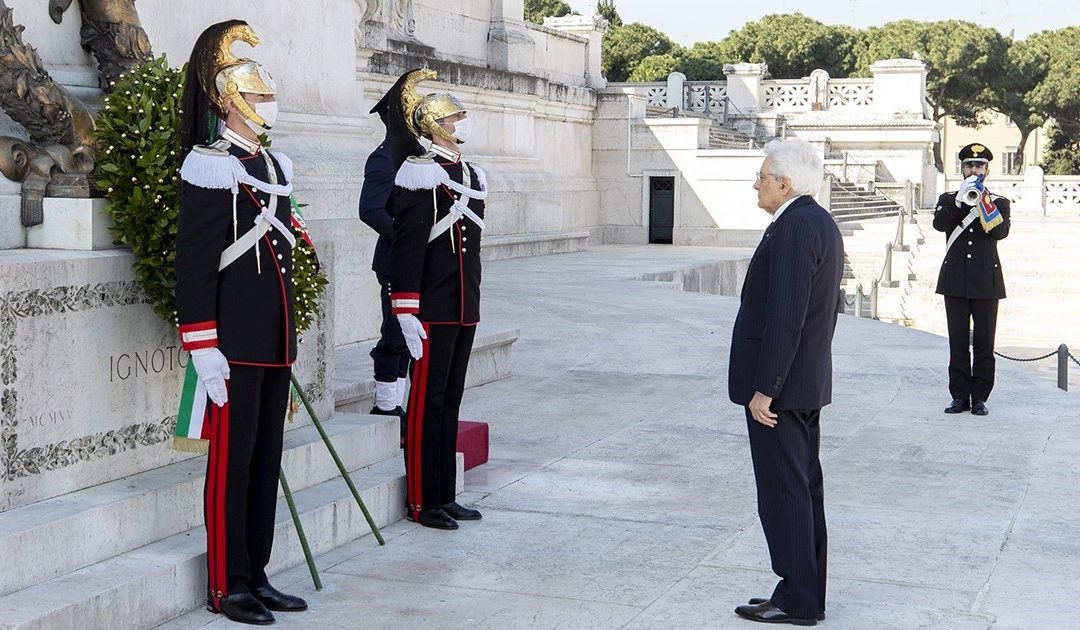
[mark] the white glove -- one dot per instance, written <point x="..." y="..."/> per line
<point x="213" y="371"/>
<point x="966" y="186"/>
<point x="413" y="332"/>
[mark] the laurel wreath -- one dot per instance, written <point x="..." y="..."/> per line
<point x="138" y="170"/>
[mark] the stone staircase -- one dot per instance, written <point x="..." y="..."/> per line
<point x="133" y="552"/>
<point x="853" y="202"/>
<point x="720" y="136"/>
<point x="865" y="251"/>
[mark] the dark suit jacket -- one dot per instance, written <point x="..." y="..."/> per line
<point x="971" y="268"/>
<point x="377" y="204"/>
<point x="782" y="342"/>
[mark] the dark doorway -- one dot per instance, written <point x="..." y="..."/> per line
<point x="661" y="209"/>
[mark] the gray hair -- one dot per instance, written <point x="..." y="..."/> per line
<point x="799" y="161"/>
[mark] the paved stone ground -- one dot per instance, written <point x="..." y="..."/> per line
<point x="620" y="492"/>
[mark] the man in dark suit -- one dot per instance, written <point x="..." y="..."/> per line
<point x="390" y="356"/>
<point x="974" y="220"/>
<point x="781" y="372"/>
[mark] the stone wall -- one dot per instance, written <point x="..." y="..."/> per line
<point x="528" y="88"/>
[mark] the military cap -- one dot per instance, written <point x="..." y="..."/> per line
<point x="976" y="152"/>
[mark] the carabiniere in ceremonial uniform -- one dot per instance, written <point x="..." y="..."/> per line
<point x="436" y="294"/>
<point x="971" y="279"/>
<point x="234" y="300"/>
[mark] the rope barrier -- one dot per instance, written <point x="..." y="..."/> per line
<point x="1045" y="356"/>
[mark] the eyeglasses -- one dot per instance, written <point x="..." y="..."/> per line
<point x="761" y="177"/>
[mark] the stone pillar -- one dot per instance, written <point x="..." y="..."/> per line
<point x="744" y="87"/>
<point x="675" y="96"/>
<point x="819" y="90"/>
<point x="510" y="47"/>
<point x="591" y="28"/>
<point x="1032" y="192"/>
<point x="899" y="86"/>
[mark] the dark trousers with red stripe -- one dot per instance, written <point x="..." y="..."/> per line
<point x="791" y="505"/>
<point x="438" y="382"/>
<point x="242" y="478"/>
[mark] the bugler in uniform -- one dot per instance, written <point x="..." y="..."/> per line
<point x="435" y="279"/>
<point x="971" y="280"/>
<point x="235" y="311"/>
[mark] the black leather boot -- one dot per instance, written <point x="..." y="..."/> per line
<point x="459" y="512"/>
<point x="276" y="600"/>
<point x="243" y="608"/>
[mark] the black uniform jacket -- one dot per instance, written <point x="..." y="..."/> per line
<point x="377" y="204"/>
<point x="782" y="342"/>
<point x="438" y="281"/>
<point x="971" y="268"/>
<point x="244" y="311"/>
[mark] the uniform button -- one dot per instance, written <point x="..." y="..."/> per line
<point x="274" y="242"/>
<point x="969" y="242"/>
<point x="463" y="239"/>
<point x="283" y="270"/>
<point x="463" y="228"/>
<point x="971" y="229"/>
<point x="969" y="255"/>
<point x="279" y="256"/>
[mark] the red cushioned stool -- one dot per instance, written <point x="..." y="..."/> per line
<point x="472" y="440"/>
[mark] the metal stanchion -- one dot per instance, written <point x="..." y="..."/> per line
<point x="1063" y="367"/>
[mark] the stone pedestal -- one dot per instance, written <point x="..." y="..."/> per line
<point x="78" y="224"/>
<point x="592" y="28"/>
<point x="744" y="87"/>
<point x="90" y="376"/>
<point x="510" y="47"/>
<point x="899" y="86"/>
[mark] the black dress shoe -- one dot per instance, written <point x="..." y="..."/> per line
<point x="396" y="411"/>
<point x="243" y="608"/>
<point x="276" y="600"/>
<point x="761" y="600"/>
<point x="765" y="612"/>
<point x="459" y="512"/>
<point x="958" y="406"/>
<point x="436" y="519"/>
<point x="978" y="408"/>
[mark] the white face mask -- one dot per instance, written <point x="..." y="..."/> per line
<point x="461" y="130"/>
<point x="268" y="112"/>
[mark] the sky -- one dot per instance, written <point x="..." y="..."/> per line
<point x="689" y="21"/>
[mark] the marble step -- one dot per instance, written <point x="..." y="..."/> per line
<point x="354" y="385"/>
<point x="167" y="578"/>
<point x="49" y="538"/>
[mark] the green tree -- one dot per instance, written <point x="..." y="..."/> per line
<point x="1013" y="92"/>
<point x="1057" y="96"/>
<point x="962" y="58"/>
<point x="793" y="46"/>
<point x="704" y="61"/>
<point x="537" y="10"/>
<point x="1062" y="153"/>
<point x="606" y="9"/>
<point x="654" y="68"/>
<point x="625" y="46"/>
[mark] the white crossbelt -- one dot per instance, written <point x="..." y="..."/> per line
<point x="263" y="222"/>
<point x="460" y="208"/>
<point x="968" y="220"/>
